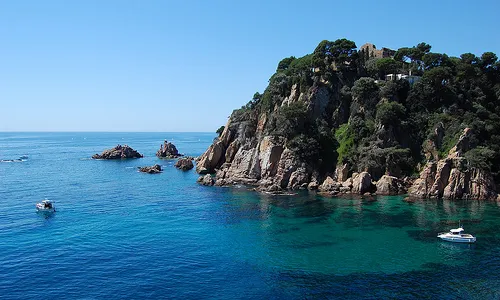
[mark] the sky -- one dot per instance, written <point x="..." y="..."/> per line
<point x="184" y="66"/>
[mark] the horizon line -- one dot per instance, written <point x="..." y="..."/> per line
<point x="91" y="131"/>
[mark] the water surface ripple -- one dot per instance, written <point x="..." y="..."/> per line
<point x="121" y="234"/>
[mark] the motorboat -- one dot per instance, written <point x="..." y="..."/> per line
<point x="45" y="206"/>
<point x="457" y="235"/>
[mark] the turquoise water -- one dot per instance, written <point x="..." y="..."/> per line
<point x="121" y="234"/>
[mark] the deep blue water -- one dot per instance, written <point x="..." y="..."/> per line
<point x="121" y="234"/>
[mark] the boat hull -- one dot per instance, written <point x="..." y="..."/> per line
<point x="40" y="208"/>
<point x="458" y="239"/>
<point x="46" y="210"/>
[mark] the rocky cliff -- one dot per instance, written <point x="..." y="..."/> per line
<point x="249" y="152"/>
<point x="451" y="177"/>
<point x="324" y="123"/>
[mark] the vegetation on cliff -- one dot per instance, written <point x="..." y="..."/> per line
<point x="335" y="106"/>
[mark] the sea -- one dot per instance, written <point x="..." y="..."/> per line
<point x="121" y="234"/>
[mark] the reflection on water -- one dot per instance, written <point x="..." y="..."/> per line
<point x="344" y="236"/>
<point x="46" y="215"/>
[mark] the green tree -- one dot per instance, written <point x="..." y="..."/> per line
<point x="220" y="130"/>
<point x="469" y="58"/>
<point x="365" y="93"/>
<point x="342" y="52"/>
<point x="285" y="63"/>
<point x="433" y="60"/>
<point x="386" y="66"/>
<point x="488" y="59"/>
<point x="390" y="113"/>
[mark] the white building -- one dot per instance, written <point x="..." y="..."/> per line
<point x="410" y="78"/>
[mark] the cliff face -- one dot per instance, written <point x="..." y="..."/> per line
<point x="324" y="124"/>
<point x="450" y="177"/>
<point x="246" y="153"/>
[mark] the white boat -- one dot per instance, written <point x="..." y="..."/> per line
<point x="457" y="236"/>
<point x="45" y="206"/>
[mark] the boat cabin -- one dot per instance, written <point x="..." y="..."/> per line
<point x="457" y="231"/>
<point x="47" y="204"/>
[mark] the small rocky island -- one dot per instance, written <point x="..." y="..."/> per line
<point x="118" y="152"/>
<point x="184" y="164"/>
<point x="168" y="150"/>
<point x="151" y="170"/>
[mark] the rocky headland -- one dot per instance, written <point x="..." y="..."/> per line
<point x="340" y="128"/>
<point x="168" y="150"/>
<point x="118" y="152"/>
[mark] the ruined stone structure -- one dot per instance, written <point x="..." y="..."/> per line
<point x="374" y="52"/>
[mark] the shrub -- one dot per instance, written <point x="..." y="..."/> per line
<point x="305" y="147"/>
<point x="345" y="138"/>
<point x="291" y="120"/>
<point x="220" y="130"/>
<point x="390" y="113"/>
<point x="480" y="157"/>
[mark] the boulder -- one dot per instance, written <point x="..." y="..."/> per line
<point x="361" y="183"/>
<point x="168" y="150"/>
<point x="207" y="180"/>
<point x="313" y="185"/>
<point x="348" y="183"/>
<point x="118" y="152"/>
<point x="341" y="172"/>
<point x="329" y="185"/>
<point x="184" y="164"/>
<point x="220" y="182"/>
<point x="390" y="185"/>
<point x="151" y="170"/>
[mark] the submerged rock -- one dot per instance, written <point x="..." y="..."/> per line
<point x="118" y="152"/>
<point x="151" y="170"/>
<point x="168" y="150"/>
<point x="184" y="164"/>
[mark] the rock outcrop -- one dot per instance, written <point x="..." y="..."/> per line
<point x="329" y="185"/>
<point x="168" y="150"/>
<point x="184" y="164"/>
<point x="361" y="183"/>
<point x="390" y="185"/>
<point x="151" y="170"/>
<point x="207" y="180"/>
<point x="118" y="152"/>
<point x="452" y="178"/>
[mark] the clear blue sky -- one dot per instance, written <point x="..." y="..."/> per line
<point x="185" y="65"/>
